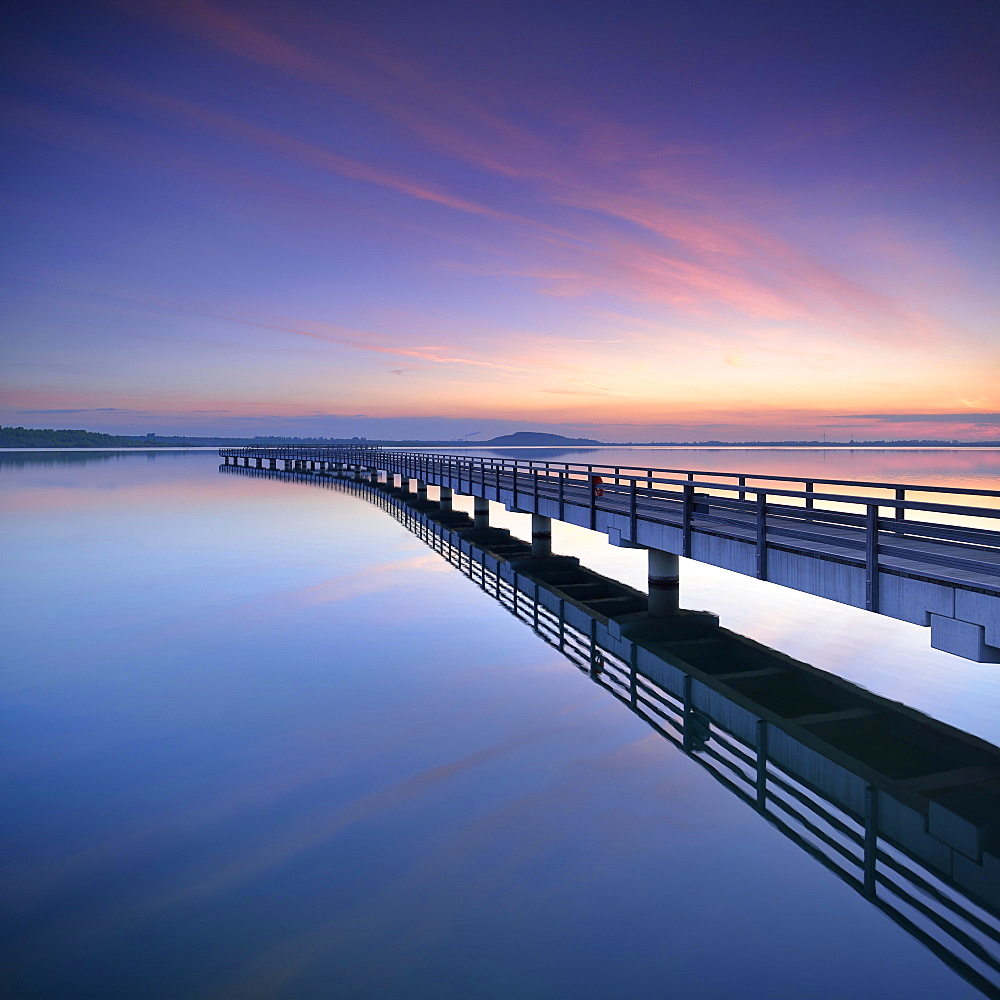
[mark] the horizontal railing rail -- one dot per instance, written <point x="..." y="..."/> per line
<point x="879" y="526"/>
<point x="582" y="472"/>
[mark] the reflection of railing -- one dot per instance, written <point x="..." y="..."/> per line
<point x="953" y="534"/>
<point x="865" y="833"/>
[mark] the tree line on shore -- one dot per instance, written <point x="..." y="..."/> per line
<point x="29" y="437"/>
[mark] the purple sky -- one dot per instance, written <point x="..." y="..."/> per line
<point x="629" y="221"/>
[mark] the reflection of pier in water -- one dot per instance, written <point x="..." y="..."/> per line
<point x="903" y="808"/>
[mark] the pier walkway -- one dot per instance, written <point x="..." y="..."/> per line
<point x="923" y="554"/>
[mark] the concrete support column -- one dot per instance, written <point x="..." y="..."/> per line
<point x="373" y="476"/>
<point x="541" y="536"/>
<point x="664" y="584"/>
<point x="445" y="501"/>
<point x="421" y="491"/>
<point x="480" y="512"/>
<point x="390" y="480"/>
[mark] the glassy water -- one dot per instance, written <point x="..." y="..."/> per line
<point x="260" y="741"/>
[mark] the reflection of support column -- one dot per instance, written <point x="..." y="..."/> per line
<point x="871" y="839"/>
<point x="541" y="536"/>
<point x="445" y="501"/>
<point x="664" y="583"/>
<point x="761" y="765"/>
<point x="480" y="512"/>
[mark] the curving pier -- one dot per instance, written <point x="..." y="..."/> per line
<point x="925" y="555"/>
<point x="901" y="807"/>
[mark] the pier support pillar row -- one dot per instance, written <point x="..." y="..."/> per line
<point x="664" y="583"/>
<point x="480" y="512"/>
<point x="541" y="536"/>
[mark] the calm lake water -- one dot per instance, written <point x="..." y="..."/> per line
<point x="260" y="742"/>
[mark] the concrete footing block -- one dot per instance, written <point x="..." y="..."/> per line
<point x="952" y="635"/>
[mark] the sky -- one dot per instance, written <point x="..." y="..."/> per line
<point x="630" y="221"/>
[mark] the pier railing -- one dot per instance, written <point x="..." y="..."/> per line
<point x="876" y="525"/>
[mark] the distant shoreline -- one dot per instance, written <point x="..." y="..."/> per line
<point x="679" y="446"/>
<point x="26" y="438"/>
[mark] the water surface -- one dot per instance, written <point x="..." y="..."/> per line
<point x="259" y="741"/>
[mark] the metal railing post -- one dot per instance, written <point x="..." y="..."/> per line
<point x="687" y="504"/>
<point x="871" y="557"/>
<point x="761" y="535"/>
<point x="633" y="511"/>
<point x="593" y="498"/>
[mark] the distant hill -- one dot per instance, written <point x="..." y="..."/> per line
<point x="528" y="439"/>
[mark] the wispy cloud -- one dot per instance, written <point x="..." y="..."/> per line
<point x="98" y="409"/>
<point x="928" y="418"/>
<point x="692" y="245"/>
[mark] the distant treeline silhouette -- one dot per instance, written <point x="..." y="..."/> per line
<point x="29" y="437"/>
